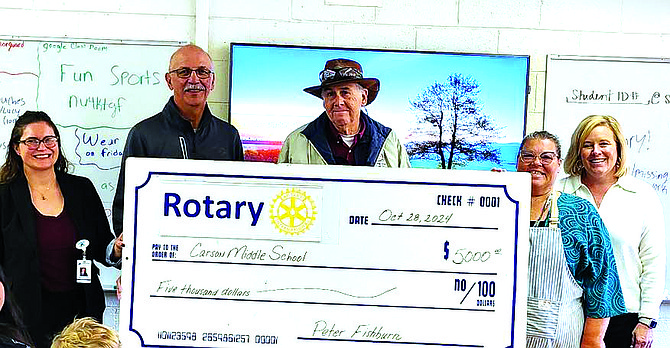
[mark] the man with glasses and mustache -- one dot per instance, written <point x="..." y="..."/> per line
<point x="344" y="134"/>
<point x="185" y="128"/>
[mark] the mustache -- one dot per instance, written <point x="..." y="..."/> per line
<point x="193" y="87"/>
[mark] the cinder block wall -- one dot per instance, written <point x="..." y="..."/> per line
<point x="525" y="27"/>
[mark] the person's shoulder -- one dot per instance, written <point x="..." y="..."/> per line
<point x="223" y="125"/>
<point x="5" y="189"/>
<point x="75" y="180"/>
<point x="147" y="123"/>
<point x="15" y="183"/>
<point x="568" y="184"/>
<point x="376" y="125"/>
<point x="572" y="199"/>
<point x="635" y="185"/>
<point x="301" y="128"/>
<point x="579" y="216"/>
<point x="392" y="136"/>
<point x="309" y="128"/>
<point x="144" y="129"/>
<point x="567" y="181"/>
<point x="151" y="121"/>
<point x="295" y="136"/>
<point x="573" y="203"/>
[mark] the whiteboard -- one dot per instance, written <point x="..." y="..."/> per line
<point x="633" y="90"/>
<point x="93" y="91"/>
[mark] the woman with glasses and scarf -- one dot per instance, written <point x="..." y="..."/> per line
<point x="52" y="224"/>
<point x="573" y="286"/>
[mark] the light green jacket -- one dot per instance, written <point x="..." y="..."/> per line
<point x="298" y="149"/>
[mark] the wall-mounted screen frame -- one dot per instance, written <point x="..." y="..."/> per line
<point x="486" y="94"/>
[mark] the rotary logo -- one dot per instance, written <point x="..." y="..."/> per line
<point x="292" y="211"/>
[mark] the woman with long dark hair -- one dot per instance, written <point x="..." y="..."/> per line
<point x="52" y="224"/>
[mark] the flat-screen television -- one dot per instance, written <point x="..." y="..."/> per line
<point x="473" y="104"/>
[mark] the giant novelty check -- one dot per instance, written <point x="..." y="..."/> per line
<point x="227" y="254"/>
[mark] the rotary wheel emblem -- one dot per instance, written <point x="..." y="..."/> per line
<point x="292" y="211"/>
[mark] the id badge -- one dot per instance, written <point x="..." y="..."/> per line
<point x="84" y="269"/>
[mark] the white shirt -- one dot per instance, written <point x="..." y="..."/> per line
<point x="633" y="216"/>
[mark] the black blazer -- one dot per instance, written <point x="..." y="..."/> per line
<point x="18" y="242"/>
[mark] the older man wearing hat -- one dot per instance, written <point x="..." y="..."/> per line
<point x="344" y="134"/>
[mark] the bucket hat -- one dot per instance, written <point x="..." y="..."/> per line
<point x="342" y="70"/>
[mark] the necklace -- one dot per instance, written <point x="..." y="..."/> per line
<point x="544" y="208"/>
<point x="41" y="193"/>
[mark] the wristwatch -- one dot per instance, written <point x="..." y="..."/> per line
<point x="648" y="322"/>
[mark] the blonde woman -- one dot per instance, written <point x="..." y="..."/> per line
<point x="632" y="213"/>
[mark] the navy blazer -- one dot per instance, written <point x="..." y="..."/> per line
<point x="18" y="242"/>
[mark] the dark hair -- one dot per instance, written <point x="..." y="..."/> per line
<point x="13" y="166"/>
<point x="11" y="324"/>
<point x="541" y="135"/>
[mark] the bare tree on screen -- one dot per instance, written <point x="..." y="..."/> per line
<point x="455" y="127"/>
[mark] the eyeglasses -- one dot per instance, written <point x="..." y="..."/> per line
<point x="185" y="73"/>
<point x="545" y="157"/>
<point x="33" y="143"/>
